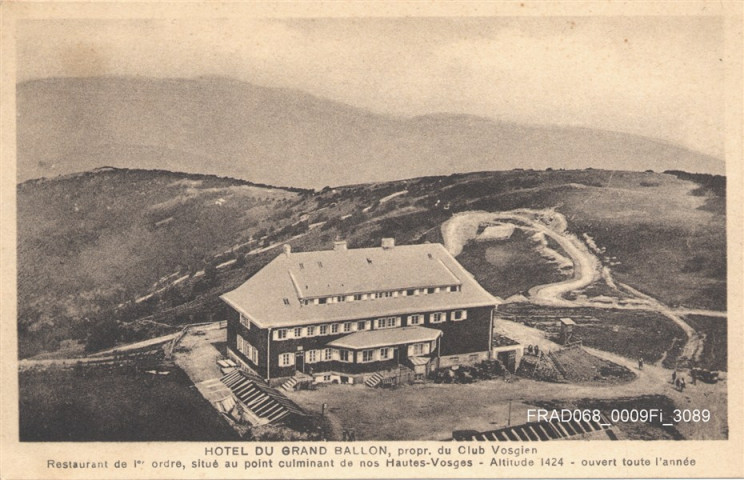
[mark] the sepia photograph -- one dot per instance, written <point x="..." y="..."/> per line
<point x="497" y="231"/>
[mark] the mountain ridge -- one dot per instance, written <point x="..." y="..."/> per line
<point x="281" y="136"/>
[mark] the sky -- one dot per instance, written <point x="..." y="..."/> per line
<point x="660" y="77"/>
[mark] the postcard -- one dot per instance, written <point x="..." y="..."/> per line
<point x="371" y="240"/>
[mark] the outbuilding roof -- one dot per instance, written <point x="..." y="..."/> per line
<point x="274" y="296"/>
<point x="386" y="337"/>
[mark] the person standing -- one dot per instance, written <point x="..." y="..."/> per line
<point x="674" y="376"/>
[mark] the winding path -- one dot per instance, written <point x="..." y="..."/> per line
<point x="587" y="268"/>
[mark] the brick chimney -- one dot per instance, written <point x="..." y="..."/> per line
<point x="339" y="246"/>
<point x="388" y="243"/>
<point x="287" y="249"/>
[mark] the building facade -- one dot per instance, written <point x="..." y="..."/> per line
<point x="345" y="314"/>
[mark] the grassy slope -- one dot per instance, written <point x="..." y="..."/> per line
<point x="668" y="240"/>
<point x="89" y="242"/>
<point x="77" y="264"/>
<point x="115" y="404"/>
<point x="512" y="266"/>
<point x="715" y="350"/>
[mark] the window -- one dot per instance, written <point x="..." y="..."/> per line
<point x="281" y="334"/>
<point x="334" y="328"/>
<point x="387" y="322"/>
<point x="302" y="266"/>
<point x="418" y="348"/>
<point x="411" y="292"/>
<point x="312" y="356"/>
<point x="286" y="301"/>
<point x="384" y="353"/>
<point x="454" y="288"/>
<point x="310" y="331"/>
<point x="387" y="294"/>
<point x="377" y="295"/>
<point x="340" y="298"/>
<point x="438" y="317"/>
<point x="357" y="296"/>
<point x="326" y="378"/>
<point x="344" y="356"/>
<point x="458" y="315"/>
<point x="247" y="349"/>
<point x="347" y="327"/>
<point x="414" y="319"/>
<point x="245" y="321"/>
<point x="327" y="354"/>
<point x="324" y="329"/>
<point x="473" y="358"/>
<point x="322" y="300"/>
<point x="430" y="290"/>
<point x="320" y="264"/>
<point x="367" y="355"/>
<point x="297" y="332"/>
<point x="286" y="360"/>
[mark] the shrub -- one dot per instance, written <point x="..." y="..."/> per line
<point x="103" y="334"/>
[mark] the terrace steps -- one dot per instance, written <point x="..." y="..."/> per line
<point x="373" y="380"/>
<point x="266" y="404"/>
<point x="540" y="431"/>
<point x="289" y="384"/>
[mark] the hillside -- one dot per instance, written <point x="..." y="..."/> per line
<point x="137" y="253"/>
<point x="286" y="137"/>
<point x="87" y="242"/>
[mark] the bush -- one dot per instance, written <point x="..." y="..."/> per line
<point x="485" y="370"/>
<point x="103" y="334"/>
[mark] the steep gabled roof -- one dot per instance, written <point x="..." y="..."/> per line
<point x="273" y="296"/>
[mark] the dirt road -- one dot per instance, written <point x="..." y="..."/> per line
<point x="587" y="268"/>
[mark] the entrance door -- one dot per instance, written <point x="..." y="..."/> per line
<point x="508" y="359"/>
<point x="300" y="362"/>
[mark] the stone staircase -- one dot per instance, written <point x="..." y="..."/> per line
<point x="541" y="431"/>
<point x="289" y="385"/>
<point x="265" y="403"/>
<point x="374" y="380"/>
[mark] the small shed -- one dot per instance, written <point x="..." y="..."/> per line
<point x="567" y="328"/>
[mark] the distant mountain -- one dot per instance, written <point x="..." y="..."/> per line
<point x="286" y="137"/>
